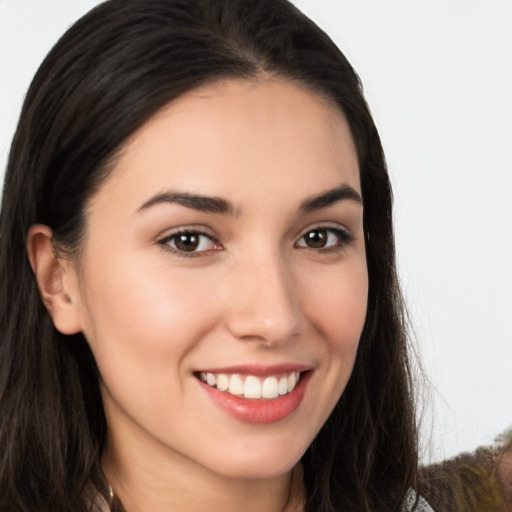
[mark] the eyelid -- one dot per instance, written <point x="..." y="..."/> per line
<point x="333" y="226"/>
<point x="345" y="236"/>
<point x="164" y="240"/>
<point x="186" y="228"/>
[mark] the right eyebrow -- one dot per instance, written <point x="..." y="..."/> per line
<point x="194" y="201"/>
<point x="328" y="198"/>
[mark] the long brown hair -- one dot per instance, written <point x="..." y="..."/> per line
<point x="105" y="78"/>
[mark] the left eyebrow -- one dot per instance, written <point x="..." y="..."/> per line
<point x="342" y="193"/>
<point x="193" y="201"/>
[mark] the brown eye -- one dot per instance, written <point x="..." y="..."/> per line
<point x="324" y="238"/>
<point x="187" y="242"/>
<point x="190" y="242"/>
<point x="316" y="239"/>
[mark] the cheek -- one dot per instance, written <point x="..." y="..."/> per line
<point x="335" y="302"/>
<point x="143" y="319"/>
<point x="337" y="307"/>
<point x="141" y="324"/>
<point x="144" y="300"/>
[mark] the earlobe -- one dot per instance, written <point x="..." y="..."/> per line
<point x="55" y="278"/>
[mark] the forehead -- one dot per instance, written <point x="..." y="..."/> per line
<point x="231" y="137"/>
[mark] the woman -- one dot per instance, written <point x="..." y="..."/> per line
<point x="201" y="309"/>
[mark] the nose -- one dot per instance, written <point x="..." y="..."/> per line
<point x="264" y="304"/>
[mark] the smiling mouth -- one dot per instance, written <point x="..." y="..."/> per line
<point x="251" y="386"/>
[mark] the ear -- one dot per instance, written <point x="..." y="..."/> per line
<point x="56" y="279"/>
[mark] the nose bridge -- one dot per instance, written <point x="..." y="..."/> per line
<point x="265" y="304"/>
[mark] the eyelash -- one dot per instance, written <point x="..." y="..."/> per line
<point x="343" y="236"/>
<point x="165" y="242"/>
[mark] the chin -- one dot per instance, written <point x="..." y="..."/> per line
<point x="258" y="463"/>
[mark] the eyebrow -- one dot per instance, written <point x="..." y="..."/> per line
<point x="222" y="206"/>
<point x="342" y="193"/>
<point x="194" y="201"/>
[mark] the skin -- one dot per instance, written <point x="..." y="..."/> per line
<point x="255" y="293"/>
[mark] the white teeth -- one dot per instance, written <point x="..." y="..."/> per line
<point x="269" y="388"/>
<point x="283" y="386"/>
<point x="252" y="386"/>
<point x="236" y="386"/>
<point x="222" y="382"/>
<point x="292" y="380"/>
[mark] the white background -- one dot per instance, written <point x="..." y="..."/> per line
<point x="438" y="78"/>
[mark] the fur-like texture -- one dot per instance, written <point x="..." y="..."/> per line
<point x="472" y="482"/>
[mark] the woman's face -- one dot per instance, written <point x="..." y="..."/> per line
<point x="224" y="257"/>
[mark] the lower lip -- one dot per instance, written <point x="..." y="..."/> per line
<point x="260" y="411"/>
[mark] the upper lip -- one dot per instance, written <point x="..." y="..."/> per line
<point x="259" y="370"/>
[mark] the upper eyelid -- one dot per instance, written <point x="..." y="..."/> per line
<point x="164" y="242"/>
<point x="208" y="232"/>
<point x="170" y="236"/>
<point x="200" y="230"/>
<point x="327" y="226"/>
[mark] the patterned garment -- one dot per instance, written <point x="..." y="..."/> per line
<point x="101" y="505"/>
<point x="422" y="505"/>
